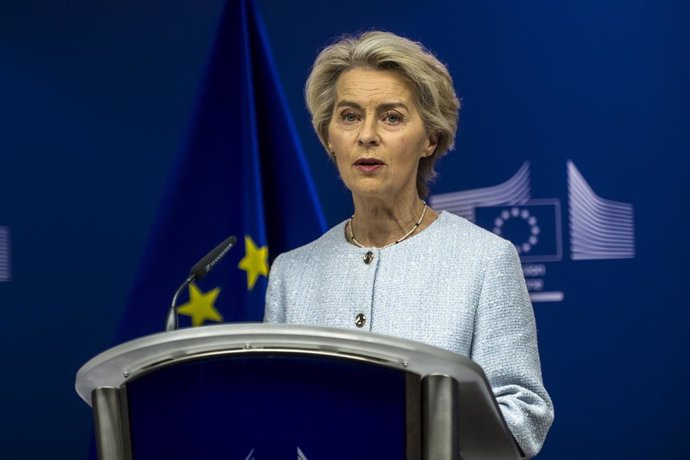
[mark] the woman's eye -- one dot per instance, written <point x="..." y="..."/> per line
<point x="349" y="117"/>
<point x="392" y="118"/>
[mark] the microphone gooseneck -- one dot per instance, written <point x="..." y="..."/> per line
<point x="198" y="271"/>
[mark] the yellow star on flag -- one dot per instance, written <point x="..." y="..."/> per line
<point x="201" y="306"/>
<point x="255" y="261"/>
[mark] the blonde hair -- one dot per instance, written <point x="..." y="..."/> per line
<point x="429" y="80"/>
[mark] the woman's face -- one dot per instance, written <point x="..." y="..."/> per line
<point x="377" y="134"/>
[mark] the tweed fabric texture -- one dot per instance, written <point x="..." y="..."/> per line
<point x="454" y="285"/>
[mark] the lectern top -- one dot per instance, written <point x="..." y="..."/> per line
<point x="115" y="366"/>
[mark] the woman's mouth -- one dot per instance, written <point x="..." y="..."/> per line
<point x="368" y="164"/>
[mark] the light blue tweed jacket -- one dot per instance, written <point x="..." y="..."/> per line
<point x="455" y="286"/>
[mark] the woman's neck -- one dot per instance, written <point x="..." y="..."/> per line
<point x="380" y="223"/>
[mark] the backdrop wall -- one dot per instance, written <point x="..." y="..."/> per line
<point x="575" y="113"/>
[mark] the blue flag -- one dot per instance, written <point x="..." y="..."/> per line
<point x="242" y="173"/>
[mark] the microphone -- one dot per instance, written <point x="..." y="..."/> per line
<point x="198" y="271"/>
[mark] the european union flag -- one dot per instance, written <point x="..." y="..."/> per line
<point x="242" y="173"/>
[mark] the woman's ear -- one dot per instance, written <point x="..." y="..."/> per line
<point x="431" y="145"/>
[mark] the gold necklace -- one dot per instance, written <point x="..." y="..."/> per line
<point x="403" y="238"/>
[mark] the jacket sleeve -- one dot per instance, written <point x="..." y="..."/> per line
<point x="505" y="346"/>
<point x="274" y="311"/>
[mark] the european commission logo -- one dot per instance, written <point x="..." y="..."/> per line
<point x="597" y="228"/>
<point x="4" y="254"/>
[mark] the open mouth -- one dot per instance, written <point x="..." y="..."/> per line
<point x="368" y="164"/>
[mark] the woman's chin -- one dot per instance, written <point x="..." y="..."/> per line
<point x="375" y="193"/>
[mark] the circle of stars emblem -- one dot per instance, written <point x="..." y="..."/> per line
<point x="522" y="215"/>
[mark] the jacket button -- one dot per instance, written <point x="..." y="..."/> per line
<point x="368" y="257"/>
<point x="360" y="320"/>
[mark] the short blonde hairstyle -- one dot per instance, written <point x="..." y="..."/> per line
<point x="429" y="80"/>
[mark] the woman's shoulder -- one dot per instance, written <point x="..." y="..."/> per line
<point x="329" y="241"/>
<point x="461" y="232"/>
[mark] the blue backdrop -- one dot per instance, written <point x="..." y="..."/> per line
<point x="573" y="142"/>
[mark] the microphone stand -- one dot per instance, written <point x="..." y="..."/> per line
<point x="197" y="272"/>
<point x="172" y="323"/>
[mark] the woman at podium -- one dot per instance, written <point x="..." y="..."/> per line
<point x="385" y="110"/>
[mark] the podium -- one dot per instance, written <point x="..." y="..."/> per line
<point x="268" y="391"/>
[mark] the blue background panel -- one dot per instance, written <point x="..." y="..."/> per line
<point x="229" y="407"/>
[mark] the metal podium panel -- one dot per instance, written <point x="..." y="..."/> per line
<point x="161" y="395"/>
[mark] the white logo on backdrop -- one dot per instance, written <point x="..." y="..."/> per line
<point x="598" y="228"/>
<point x="4" y="254"/>
<point x="300" y="455"/>
<point x="515" y="190"/>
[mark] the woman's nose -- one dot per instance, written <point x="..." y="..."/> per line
<point x="368" y="134"/>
